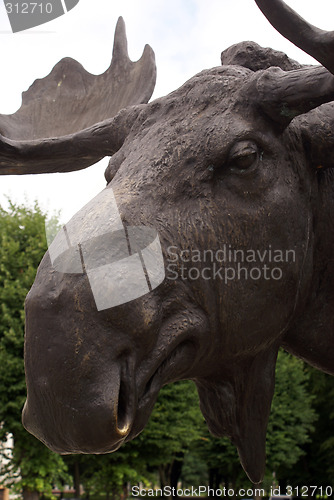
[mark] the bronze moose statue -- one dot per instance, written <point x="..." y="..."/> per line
<point x="239" y="158"/>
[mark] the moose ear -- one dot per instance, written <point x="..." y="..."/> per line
<point x="66" y="121"/>
<point x="317" y="132"/>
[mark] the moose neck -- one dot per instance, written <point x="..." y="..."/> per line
<point x="311" y="337"/>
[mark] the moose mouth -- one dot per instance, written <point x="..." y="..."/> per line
<point x="175" y="366"/>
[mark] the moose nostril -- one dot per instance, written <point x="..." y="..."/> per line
<point x="126" y="401"/>
<point x="123" y="420"/>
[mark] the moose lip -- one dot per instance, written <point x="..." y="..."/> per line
<point x="168" y="369"/>
<point x="161" y="373"/>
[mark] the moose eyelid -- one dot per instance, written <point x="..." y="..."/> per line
<point x="243" y="148"/>
<point x="243" y="156"/>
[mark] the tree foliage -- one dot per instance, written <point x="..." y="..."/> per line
<point x="292" y="416"/>
<point x="172" y="428"/>
<point x="32" y="467"/>
<point x="316" y="465"/>
<point x="173" y="425"/>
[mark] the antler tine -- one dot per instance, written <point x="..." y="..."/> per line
<point x="312" y="40"/>
<point x="76" y="99"/>
<point x="120" y="49"/>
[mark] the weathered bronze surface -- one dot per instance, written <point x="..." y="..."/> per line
<point x="240" y="156"/>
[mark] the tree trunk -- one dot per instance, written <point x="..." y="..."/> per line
<point x="76" y="479"/>
<point x="215" y="478"/>
<point x="30" y="495"/>
<point x="175" y="472"/>
<point x="164" y="474"/>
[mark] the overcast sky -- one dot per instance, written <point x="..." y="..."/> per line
<point x="186" y="35"/>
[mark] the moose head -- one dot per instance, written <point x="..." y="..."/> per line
<point x="235" y="164"/>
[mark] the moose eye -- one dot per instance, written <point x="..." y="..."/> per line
<point x="243" y="155"/>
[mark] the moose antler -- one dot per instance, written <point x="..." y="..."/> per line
<point x="72" y="111"/>
<point x="312" y="40"/>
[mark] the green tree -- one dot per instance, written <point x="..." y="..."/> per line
<point x="32" y="467"/>
<point x="221" y="459"/>
<point x="107" y="475"/>
<point x="321" y="450"/>
<point x="173" y="426"/>
<point x="316" y="466"/>
<point x="292" y="416"/>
